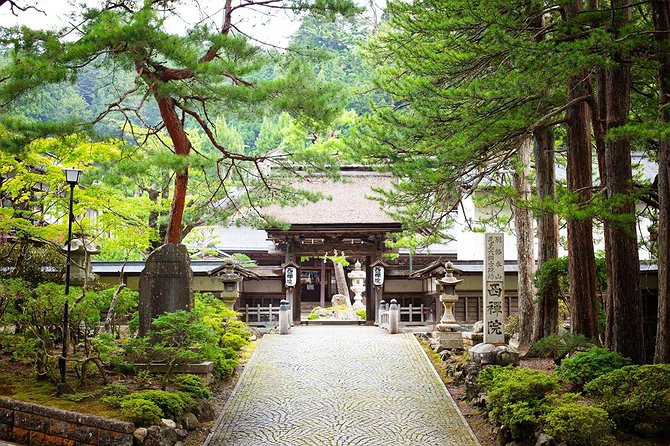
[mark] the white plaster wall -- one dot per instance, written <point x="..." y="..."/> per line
<point x="262" y="286"/>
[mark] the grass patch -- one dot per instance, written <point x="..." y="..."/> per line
<point x="436" y="360"/>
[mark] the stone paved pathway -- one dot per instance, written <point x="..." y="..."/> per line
<point x="340" y="386"/>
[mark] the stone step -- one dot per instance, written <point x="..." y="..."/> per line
<point x="331" y="322"/>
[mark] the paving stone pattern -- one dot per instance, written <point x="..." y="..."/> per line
<point x="345" y="385"/>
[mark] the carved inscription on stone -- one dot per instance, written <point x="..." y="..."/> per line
<point x="494" y="276"/>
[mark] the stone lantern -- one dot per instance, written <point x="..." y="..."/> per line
<point x="448" y="298"/>
<point x="357" y="277"/>
<point x="447" y="334"/>
<point x="231" y="274"/>
<point x="81" y="252"/>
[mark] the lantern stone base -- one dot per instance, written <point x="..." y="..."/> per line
<point x="471" y="339"/>
<point x="447" y="340"/>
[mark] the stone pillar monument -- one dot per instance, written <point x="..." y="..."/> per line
<point x="357" y="277"/>
<point x="493" y="287"/>
<point x="166" y="284"/>
<point x="493" y="350"/>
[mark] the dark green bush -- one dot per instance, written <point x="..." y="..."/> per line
<point x="578" y="424"/>
<point x="587" y="366"/>
<point x="115" y="390"/>
<point x="517" y="397"/>
<point x="140" y="411"/>
<point x="193" y="385"/>
<point x="171" y="404"/>
<point x="634" y="394"/>
<point x="559" y="345"/>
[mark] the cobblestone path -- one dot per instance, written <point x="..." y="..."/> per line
<point x="344" y="386"/>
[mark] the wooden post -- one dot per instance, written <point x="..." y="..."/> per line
<point x="322" y="282"/>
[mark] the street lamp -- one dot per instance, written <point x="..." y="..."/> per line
<point x="72" y="178"/>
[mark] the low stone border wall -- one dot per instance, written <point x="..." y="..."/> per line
<point x="32" y="424"/>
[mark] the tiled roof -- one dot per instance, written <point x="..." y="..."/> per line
<point x="347" y="201"/>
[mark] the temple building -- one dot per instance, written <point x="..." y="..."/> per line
<point x="348" y="223"/>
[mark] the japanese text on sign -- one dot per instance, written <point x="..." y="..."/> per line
<point x="493" y="287"/>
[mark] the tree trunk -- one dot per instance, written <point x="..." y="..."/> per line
<point x="523" y="223"/>
<point x="581" y="258"/>
<point x="182" y="147"/>
<point x="545" y="320"/>
<point x="341" y="281"/>
<point x="625" y="322"/>
<point x="661" y="13"/>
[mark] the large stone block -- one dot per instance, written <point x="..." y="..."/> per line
<point x="31" y="421"/>
<point x="113" y="438"/>
<point x="447" y="339"/>
<point x="49" y="440"/>
<point x="20" y="435"/>
<point x="6" y="416"/>
<point x="77" y="432"/>
<point x="166" y="284"/>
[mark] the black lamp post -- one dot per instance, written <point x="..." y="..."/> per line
<point x="72" y="178"/>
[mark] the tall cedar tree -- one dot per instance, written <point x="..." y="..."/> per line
<point x="467" y="94"/>
<point x="186" y="75"/>
<point x="661" y="15"/>
<point x="471" y="81"/>
<point x="581" y="257"/>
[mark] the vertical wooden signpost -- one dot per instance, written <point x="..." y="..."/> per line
<point x="493" y="286"/>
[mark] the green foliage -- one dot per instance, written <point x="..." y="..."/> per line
<point x="578" y="424"/>
<point x="634" y="394"/>
<point x="225" y="360"/>
<point x="134" y="323"/>
<point x="312" y="317"/>
<point x="209" y="333"/>
<point x="126" y="302"/>
<point x="215" y="314"/>
<point x="78" y="397"/>
<point x="12" y="293"/>
<point x="361" y="314"/>
<point x="104" y="344"/>
<point x="193" y="385"/>
<point x="143" y="378"/>
<point x="589" y="365"/>
<point x="117" y="390"/>
<point x="517" y="396"/>
<point x="512" y="324"/>
<point x="172" y="405"/>
<point x="559" y="345"/>
<point x="28" y="261"/>
<point x="143" y="412"/>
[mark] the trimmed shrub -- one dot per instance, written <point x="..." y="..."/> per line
<point x="517" y="397"/>
<point x="634" y="394"/>
<point x="578" y="425"/>
<point x="140" y="411"/>
<point x="172" y="405"/>
<point x="225" y="360"/>
<point x="193" y="385"/>
<point x="587" y="366"/>
<point x="559" y="345"/>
